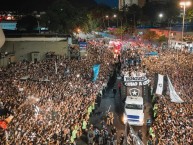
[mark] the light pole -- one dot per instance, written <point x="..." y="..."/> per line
<point x="160" y="16"/>
<point x="107" y="17"/>
<point x="184" y="4"/>
<point x="115" y="16"/>
<point x="121" y="29"/>
<point x="38" y="26"/>
<point x="169" y="34"/>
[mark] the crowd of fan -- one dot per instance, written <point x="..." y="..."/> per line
<point x="52" y="102"/>
<point x="173" y="123"/>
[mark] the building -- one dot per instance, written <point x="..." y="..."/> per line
<point x="123" y="3"/>
<point x="159" y="1"/>
<point x="2" y="38"/>
<point x="32" y="47"/>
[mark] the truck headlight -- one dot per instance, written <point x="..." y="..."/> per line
<point x="124" y="118"/>
<point x="141" y="120"/>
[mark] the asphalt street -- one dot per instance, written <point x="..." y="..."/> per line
<point x="115" y="105"/>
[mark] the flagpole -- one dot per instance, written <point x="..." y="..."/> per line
<point x="56" y="68"/>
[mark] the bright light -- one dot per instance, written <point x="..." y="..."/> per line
<point x="184" y="3"/>
<point x="107" y="16"/>
<point x="161" y="15"/>
<point x="114" y="16"/>
<point x="78" y="75"/>
<point x="78" y="30"/>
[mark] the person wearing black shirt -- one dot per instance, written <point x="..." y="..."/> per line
<point x="113" y="130"/>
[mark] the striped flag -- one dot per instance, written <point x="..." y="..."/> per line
<point x="160" y="84"/>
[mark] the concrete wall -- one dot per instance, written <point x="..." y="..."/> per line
<point x="174" y="35"/>
<point x="2" y="37"/>
<point x="23" y="49"/>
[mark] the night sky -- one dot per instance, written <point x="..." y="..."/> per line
<point x="21" y="5"/>
<point x="111" y="3"/>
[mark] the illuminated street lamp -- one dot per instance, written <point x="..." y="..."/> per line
<point x="115" y="16"/>
<point x="107" y="17"/>
<point x="161" y="16"/>
<point x="184" y="4"/>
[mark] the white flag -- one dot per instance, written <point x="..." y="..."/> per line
<point x="173" y="95"/>
<point x="160" y="84"/>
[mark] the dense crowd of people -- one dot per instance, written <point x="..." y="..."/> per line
<point x="174" y="121"/>
<point x="51" y="100"/>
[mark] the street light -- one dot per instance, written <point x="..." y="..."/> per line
<point x="38" y="26"/>
<point x="107" y="17"/>
<point x="160" y="16"/>
<point x="115" y="16"/>
<point x="184" y="4"/>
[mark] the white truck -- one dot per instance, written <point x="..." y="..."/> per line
<point x="134" y="111"/>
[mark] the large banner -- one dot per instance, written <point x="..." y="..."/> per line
<point x="136" y="86"/>
<point x="136" y="81"/>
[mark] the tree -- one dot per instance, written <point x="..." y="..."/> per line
<point x="170" y="10"/>
<point x="97" y="15"/>
<point x="28" y="23"/>
<point x="65" y="16"/>
<point x="135" y="13"/>
<point x="190" y="15"/>
<point x="150" y="35"/>
<point x="162" y="38"/>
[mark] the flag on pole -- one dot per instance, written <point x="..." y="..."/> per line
<point x="96" y="69"/>
<point x="56" y="68"/>
<point x="173" y="95"/>
<point x="160" y="84"/>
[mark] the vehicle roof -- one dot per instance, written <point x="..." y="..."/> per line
<point x="133" y="100"/>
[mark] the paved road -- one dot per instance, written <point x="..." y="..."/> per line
<point x="108" y="103"/>
<point x="116" y="105"/>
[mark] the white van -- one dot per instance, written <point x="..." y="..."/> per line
<point x="134" y="111"/>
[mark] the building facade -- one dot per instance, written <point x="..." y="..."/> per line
<point x="123" y="3"/>
<point x="26" y="48"/>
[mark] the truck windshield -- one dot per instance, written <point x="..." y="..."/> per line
<point x="134" y="106"/>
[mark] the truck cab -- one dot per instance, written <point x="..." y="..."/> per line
<point x="133" y="111"/>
